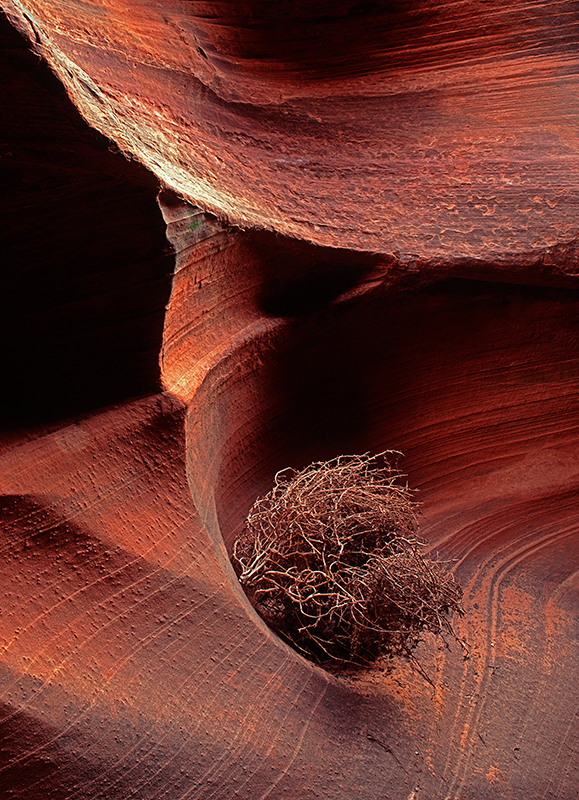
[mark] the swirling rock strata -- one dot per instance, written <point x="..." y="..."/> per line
<point x="475" y="381"/>
<point x="443" y="130"/>
<point x="132" y="664"/>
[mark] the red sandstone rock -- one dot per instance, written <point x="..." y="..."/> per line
<point x="439" y="130"/>
<point x="132" y="664"/>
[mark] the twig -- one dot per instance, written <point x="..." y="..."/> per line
<point x="331" y="559"/>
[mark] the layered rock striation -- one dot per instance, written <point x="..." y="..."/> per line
<point x="404" y="278"/>
<point x="442" y="130"/>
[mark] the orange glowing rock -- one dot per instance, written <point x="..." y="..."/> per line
<point x="405" y="278"/>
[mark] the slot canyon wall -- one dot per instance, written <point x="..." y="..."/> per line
<point x="245" y="235"/>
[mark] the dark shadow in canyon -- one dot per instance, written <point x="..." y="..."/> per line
<point x="86" y="269"/>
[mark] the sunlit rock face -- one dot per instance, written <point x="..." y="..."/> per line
<point x="443" y="130"/>
<point x="133" y="665"/>
<point x="475" y="381"/>
<point x="421" y="156"/>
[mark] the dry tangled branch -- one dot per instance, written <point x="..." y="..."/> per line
<point x="330" y="558"/>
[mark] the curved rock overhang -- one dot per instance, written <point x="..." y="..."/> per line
<point x="439" y="130"/>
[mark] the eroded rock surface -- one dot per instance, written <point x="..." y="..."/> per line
<point x="132" y="662"/>
<point x="443" y="130"/>
<point x="423" y="155"/>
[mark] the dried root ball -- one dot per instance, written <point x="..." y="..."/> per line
<point x="331" y="560"/>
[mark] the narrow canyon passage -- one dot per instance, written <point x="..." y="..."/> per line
<point x="374" y="246"/>
<point x="134" y="666"/>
